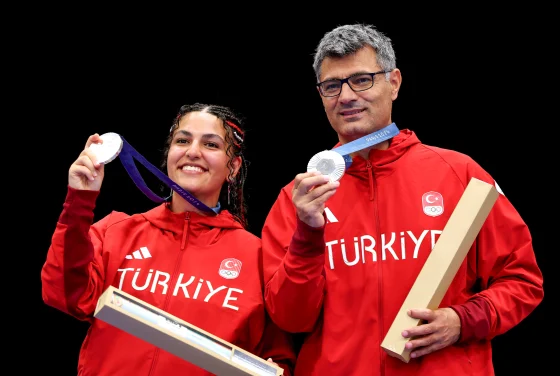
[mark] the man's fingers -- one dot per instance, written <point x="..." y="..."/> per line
<point x="305" y="185"/>
<point x="423" y="314"/>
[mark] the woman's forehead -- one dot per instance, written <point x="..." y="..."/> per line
<point x="201" y="122"/>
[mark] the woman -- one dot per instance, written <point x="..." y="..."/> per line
<point x="204" y="269"/>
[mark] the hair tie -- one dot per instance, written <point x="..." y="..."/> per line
<point x="235" y="130"/>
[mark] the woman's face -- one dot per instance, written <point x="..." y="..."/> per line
<point x="197" y="158"/>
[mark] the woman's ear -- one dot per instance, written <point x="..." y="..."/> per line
<point x="236" y="165"/>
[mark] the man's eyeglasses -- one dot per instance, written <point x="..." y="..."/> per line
<point x="357" y="82"/>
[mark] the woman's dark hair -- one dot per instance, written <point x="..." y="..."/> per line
<point x="231" y="195"/>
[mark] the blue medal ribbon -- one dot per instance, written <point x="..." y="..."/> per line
<point x="371" y="139"/>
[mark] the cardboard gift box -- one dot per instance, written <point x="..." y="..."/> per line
<point x="443" y="262"/>
<point x="178" y="337"/>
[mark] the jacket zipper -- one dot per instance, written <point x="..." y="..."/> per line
<point x="373" y="197"/>
<point x="184" y="243"/>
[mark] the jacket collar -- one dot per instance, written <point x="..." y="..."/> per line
<point x="162" y="217"/>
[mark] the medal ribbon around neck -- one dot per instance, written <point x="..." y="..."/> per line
<point x="128" y="155"/>
<point x="335" y="161"/>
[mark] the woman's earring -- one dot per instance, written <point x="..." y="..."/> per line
<point x="231" y="182"/>
<point x="170" y="195"/>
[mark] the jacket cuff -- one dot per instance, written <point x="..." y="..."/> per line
<point x="78" y="203"/>
<point x="475" y="319"/>
<point x="307" y="241"/>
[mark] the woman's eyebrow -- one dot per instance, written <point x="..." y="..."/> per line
<point x="207" y="136"/>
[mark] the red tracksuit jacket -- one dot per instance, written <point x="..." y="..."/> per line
<point x="344" y="283"/>
<point x="176" y="262"/>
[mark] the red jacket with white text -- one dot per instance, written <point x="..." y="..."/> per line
<point x="204" y="270"/>
<point x="343" y="284"/>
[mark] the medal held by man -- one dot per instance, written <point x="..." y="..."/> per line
<point x="333" y="163"/>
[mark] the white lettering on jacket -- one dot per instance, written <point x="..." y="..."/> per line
<point x="158" y="282"/>
<point x="390" y="247"/>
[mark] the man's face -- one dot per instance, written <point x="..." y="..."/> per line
<point x="356" y="114"/>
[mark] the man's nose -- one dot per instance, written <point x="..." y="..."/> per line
<point x="346" y="93"/>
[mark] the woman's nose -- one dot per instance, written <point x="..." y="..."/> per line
<point x="193" y="150"/>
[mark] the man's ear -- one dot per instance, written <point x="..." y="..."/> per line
<point x="396" y="81"/>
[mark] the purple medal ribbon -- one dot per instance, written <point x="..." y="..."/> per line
<point x="127" y="156"/>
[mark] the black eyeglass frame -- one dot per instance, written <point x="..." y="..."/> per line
<point x="346" y="80"/>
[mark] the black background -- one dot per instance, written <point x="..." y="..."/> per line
<point x="470" y="83"/>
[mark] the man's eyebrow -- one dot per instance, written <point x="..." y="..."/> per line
<point x="207" y="136"/>
<point x="342" y="78"/>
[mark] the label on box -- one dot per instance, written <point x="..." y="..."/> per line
<point x="246" y="361"/>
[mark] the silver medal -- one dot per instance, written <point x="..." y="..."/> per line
<point x="328" y="163"/>
<point x="109" y="149"/>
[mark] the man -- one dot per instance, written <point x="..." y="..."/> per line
<point x="348" y="252"/>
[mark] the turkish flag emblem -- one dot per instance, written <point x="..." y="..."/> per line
<point x="432" y="203"/>
<point x="230" y="268"/>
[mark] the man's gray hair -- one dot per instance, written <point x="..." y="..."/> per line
<point x="348" y="39"/>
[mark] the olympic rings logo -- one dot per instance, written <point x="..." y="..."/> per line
<point x="433" y="210"/>
<point x="228" y="274"/>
